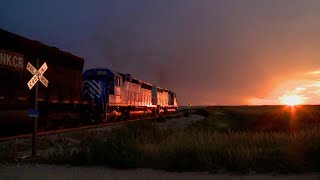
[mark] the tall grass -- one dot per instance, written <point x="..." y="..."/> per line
<point x="192" y="148"/>
<point x="262" y="139"/>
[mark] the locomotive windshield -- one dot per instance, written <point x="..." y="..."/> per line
<point x="99" y="75"/>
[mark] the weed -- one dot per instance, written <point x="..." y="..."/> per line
<point x="240" y="139"/>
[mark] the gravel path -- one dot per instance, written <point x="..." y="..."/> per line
<point x="65" y="172"/>
<point x="181" y="122"/>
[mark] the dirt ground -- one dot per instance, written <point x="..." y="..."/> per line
<point x="66" y="172"/>
<point x="181" y="121"/>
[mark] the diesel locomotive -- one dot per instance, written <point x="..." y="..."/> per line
<point x="116" y="94"/>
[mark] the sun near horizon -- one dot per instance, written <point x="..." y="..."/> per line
<point x="291" y="100"/>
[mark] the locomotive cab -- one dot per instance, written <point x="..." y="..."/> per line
<point x="98" y="85"/>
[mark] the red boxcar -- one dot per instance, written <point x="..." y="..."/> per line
<point x="64" y="74"/>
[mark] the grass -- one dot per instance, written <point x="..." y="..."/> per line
<point x="191" y="149"/>
<point x="241" y="139"/>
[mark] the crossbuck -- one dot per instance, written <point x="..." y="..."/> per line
<point x="37" y="75"/>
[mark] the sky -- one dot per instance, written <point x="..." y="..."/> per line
<point x="209" y="52"/>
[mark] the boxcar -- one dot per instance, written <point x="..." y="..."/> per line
<point x="64" y="74"/>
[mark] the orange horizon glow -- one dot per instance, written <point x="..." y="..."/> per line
<point x="291" y="100"/>
<point x="301" y="89"/>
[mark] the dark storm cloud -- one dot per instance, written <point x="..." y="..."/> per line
<point x="207" y="51"/>
<point x="211" y="51"/>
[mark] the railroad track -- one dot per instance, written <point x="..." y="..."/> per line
<point x="57" y="131"/>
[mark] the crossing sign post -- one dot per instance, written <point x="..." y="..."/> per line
<point x="37" y="76"/>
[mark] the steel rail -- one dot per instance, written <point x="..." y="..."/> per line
<point x="57" y="131"/>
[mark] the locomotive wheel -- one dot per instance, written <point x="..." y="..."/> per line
<point x="125" y="114"/>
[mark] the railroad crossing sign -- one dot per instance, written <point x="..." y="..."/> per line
<point x="37" y="75"/>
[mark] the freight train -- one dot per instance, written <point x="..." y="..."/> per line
<point x="73" y="96"/>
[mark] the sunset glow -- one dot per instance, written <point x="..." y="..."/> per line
<point x="291" y="100"/>
<point x="303" y="88"/>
